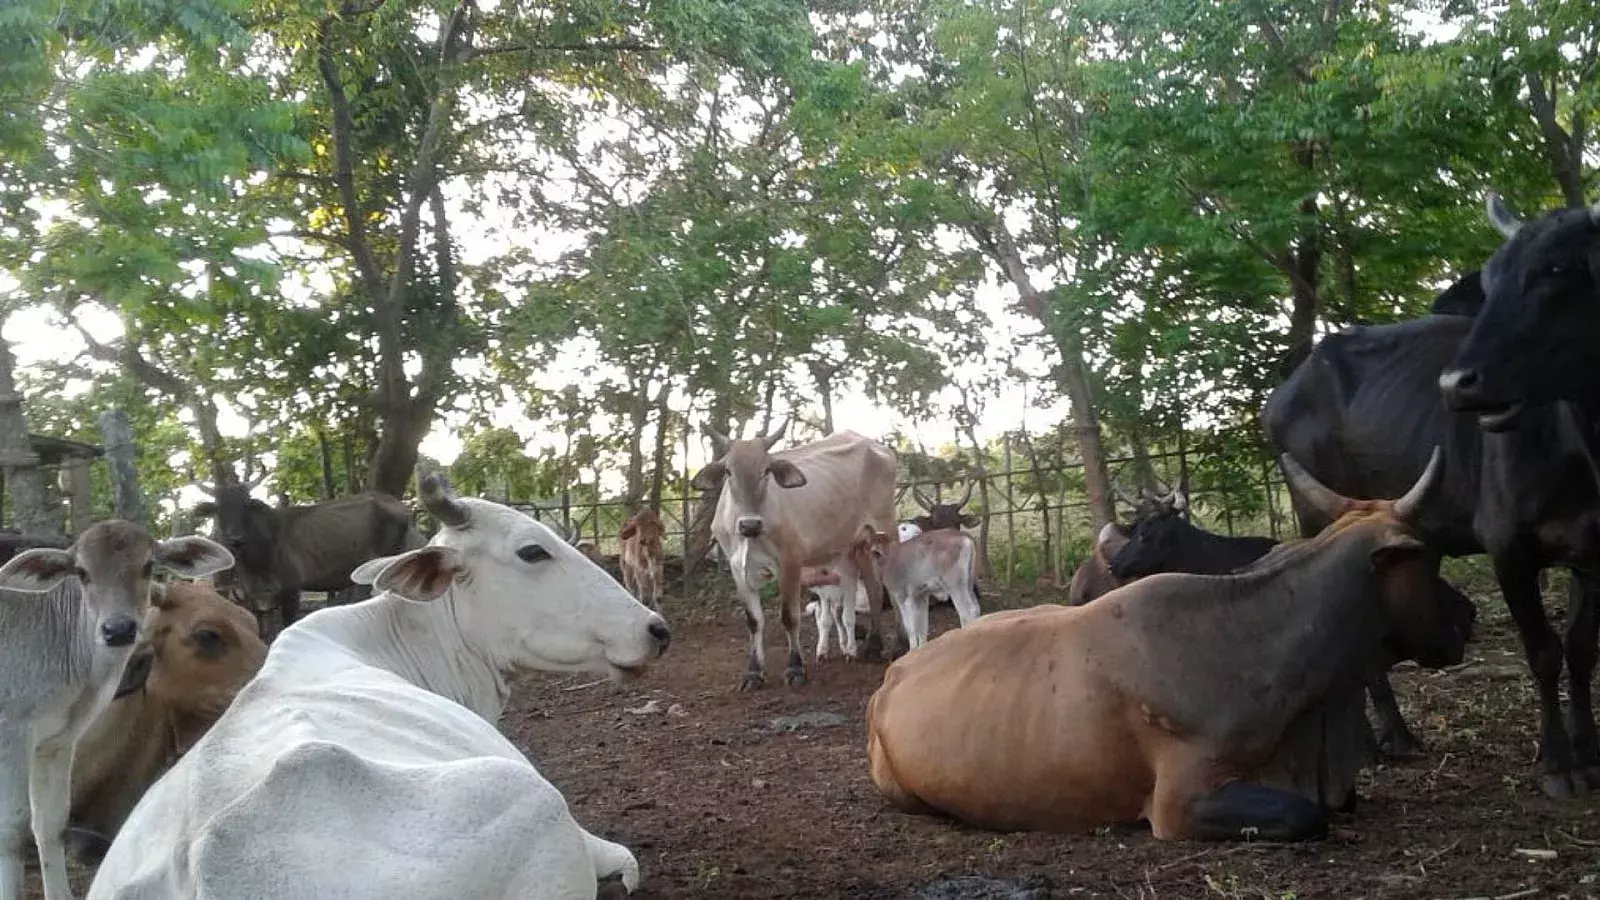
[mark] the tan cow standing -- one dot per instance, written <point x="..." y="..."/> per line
<point x="1214" y="706"/>
<point x="800" y="507"/>
<point x="641" y="557"/>
<point x="198" y="650"/>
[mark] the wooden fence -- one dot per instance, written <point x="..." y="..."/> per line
<point x="1035" y="526"/>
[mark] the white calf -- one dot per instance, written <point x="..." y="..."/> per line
<point x="828" y="584"/>
<point x="932" y="564"/>
<point x="61" y="657"/>
<point x="363" y="760"/>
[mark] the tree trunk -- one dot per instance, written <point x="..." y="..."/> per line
<point x="1074" y="372"/>
<point x="981" y="564"/>
<point x="346" y="441"/>
<point x="128" y="502"/>
<point x="638" y="415"/>
<point x="32" y="512"/>
<point x="1564" y="151"/>
<point x="659" y="458"/>
<point x="325" y="455"/>
<point x="697" y="543"/>
<point x="1303" y="265"/>
<point x="395" y="459"/>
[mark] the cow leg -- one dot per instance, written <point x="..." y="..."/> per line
<point x="15" y="759"/>
<point x="629" y="583"/>
<point x="966" y="604"/>
<point x="1395" y="738"/>
<point x="872" y="648"/>
<point x="50" y="792"/>
<point x="914" y="613"/>
<point x="1583" y="623"/>
<point x="819" y="611"/>
<point x="794" y="674"/>
<point x="1519" y="585"/>
<point x="1240" y="810"/>
<point x="755" y="676"/>
<point x="846" y="611"/>
<point x="658" y="577"/>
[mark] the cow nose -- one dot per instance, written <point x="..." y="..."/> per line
<point x="120" y="631"/>
<point x="750" y="528"/>
<point x="1458" y="384"/>
<point x="662" y="634"/>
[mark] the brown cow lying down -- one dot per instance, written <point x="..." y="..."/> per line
<point x="198" y="650"/>
<point x="1093" y="576"/>
<point x="1213" y="706"/>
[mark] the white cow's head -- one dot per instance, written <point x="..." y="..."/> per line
<point x="909" y="530"/>
<point x="742" y="468"/>
<point x="522" y="595"/>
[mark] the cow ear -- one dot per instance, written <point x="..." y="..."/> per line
<point x="38" y="570"/>
<point x="786" y="474"/>
<point x="969" y="521"/>
<point x="1395" y="551"/>
<point x="205" y="510"/>
<point x="192" y="556"/>
<point x="628" y="531"/>
<point x="422" y="575"/>
<point x="708" y="478"/>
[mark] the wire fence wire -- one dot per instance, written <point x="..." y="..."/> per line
<point x="1034" y="520"/>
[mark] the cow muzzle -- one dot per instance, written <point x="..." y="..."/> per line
<point x="751" y="526"/>
<point x="119" y="631"/>
<point x="1463" y="392"/>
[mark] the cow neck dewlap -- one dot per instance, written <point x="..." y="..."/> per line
<point x="424" y="644"/>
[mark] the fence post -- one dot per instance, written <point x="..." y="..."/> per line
<point x="1272" y="500"/>
<point x="1011" y="515"/>
<point x="684" y="555"/>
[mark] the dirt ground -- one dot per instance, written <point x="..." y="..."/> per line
<point x="716" y="802"/>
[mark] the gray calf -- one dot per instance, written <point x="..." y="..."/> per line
<point x="62" y="655"/>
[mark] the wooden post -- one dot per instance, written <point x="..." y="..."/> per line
<point x="686" y="568"/>
<point x="1011" y="515"/>
<point x="127" y="502"/>
<point x="79" y="489"/>
<point x="1049" y="546"/>
<point x="1272" y="501"/>
<point x="1061" y="540"/>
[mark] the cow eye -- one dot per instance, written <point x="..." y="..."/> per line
<point x="207" y="642"/>
<point x="532" y="553"/>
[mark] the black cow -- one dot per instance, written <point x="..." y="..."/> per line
<point x="1171" y="543"/>
<point x="1362" y="414"/>
<point x="943" y="515"/>
<point x="280" y="552"/>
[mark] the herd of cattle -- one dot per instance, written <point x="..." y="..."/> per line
<point x="1213" y="686"/>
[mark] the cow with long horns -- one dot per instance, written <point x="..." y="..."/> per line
<point x="805" y="506"/>
<point x="943" y="516"/>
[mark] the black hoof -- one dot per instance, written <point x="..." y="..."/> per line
<point x="1400" y="745"/>
<point x="753" y="681"/>
<point x="611" y="888"/>
<point x="871" y="649"/>
<point x="794" y="677"/>
<point x="1564" y="785"/>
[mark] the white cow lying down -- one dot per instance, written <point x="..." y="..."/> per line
<point x="363" y="762"/>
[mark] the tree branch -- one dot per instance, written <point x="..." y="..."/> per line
<point x="573" y="47"/>
<point x="1558" y="144"/>
<point x="344" y="174"/>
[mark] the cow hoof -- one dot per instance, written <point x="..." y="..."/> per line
<point x="753" y="681"/>
<point x="794" y="677"/>
<point x="611" y="888"/>
<point x="871" y="649"/>
<point x="1400" y="745"/>
<point x="1563" y="785"/>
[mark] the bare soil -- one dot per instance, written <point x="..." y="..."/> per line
<point x="717" y="802"/>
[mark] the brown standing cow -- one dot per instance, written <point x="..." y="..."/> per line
<point x="1142" y="705"/>
<point x="198" y="651"/>
<point x="641" y="557"/>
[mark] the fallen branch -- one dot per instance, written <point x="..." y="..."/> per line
<point x="1514" y="895"/>
<point x="586" y="685"/>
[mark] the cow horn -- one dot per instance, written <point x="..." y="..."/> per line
<point x="777" y="433"/>
<point x="1500" y="217"/>
<point x="438" y="501"/>
<point x="1310" y="489"/>
<point x="719" y="441"/>
<point x="1407" y="507"/>
<point x="966" y="496"/>
<point x="921" y="498"/>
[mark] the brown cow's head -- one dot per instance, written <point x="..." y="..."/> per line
<point x="742" y="468"/>
<point x="1403" y="564"/>
<point x="199" y="650"/>
<point x="943" y="515"/>
<point x="646" y="528"/>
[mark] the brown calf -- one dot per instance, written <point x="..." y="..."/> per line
<point x="198" y="650"/>
<point x="1093" y="576"/>
<point x="1142" y="705"/>
<point x="641" y="557"/>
